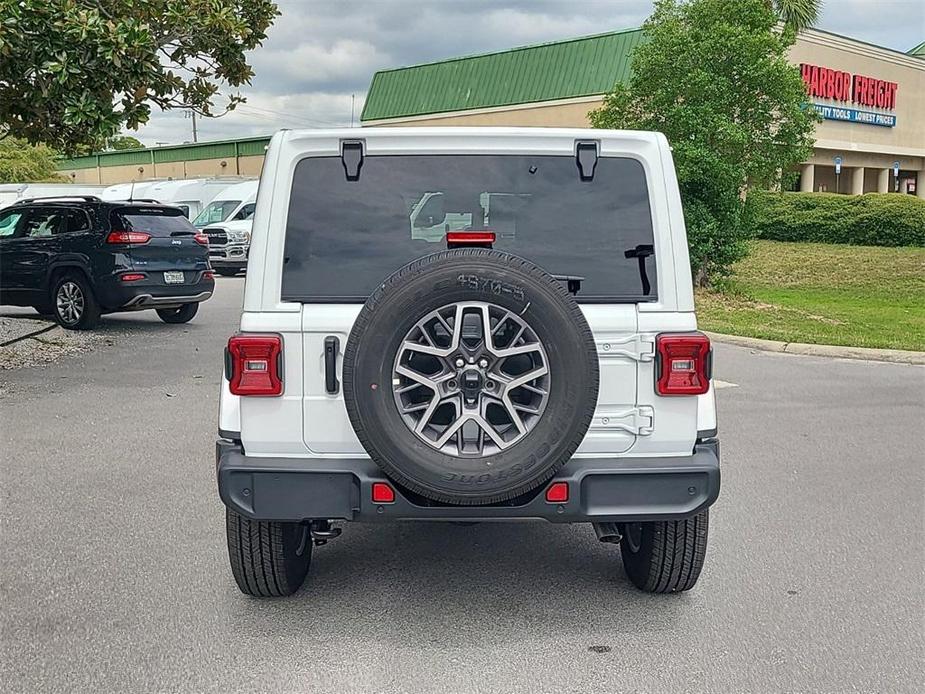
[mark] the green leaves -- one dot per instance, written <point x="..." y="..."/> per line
<point x="21" y="162"/>
<point x="714" y="77"/>
<point x="75" y="72"/>
<point x="873" y="219"/>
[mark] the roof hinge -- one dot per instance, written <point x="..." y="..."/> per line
<point x="351" y="156"/>
<point x="586" y="154"/>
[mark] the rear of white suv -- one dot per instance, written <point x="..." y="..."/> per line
<point x="468" y="324"/>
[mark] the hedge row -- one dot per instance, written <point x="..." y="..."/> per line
<point x="888" y="219"/>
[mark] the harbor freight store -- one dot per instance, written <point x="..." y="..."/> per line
<point x="871" y="99"/>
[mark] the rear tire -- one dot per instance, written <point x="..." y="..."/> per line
<point x="227" y="271"/>
<point x="268" y="559"/>
<point x="184" y="314"/>
<point x="73" y="304"/>
<point x="665" y="556"/>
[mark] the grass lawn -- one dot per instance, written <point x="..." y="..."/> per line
<point x="860" y="296"/>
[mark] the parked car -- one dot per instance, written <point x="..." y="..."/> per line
<point x="79" y="257"/>
<point x="234" y="203"/>
<point x="229" y="245"/>
<point x="544" y="363"/>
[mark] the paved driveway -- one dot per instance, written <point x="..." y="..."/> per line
<point x="114" y="577"/>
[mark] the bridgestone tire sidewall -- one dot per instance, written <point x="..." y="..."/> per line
<point x="458" y="276"/>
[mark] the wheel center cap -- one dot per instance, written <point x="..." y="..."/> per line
<point x="471" y="383"/>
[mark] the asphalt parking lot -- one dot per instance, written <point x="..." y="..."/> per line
<point x="115" y="579"/>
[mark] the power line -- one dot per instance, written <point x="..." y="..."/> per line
<point x="290" y="116"/>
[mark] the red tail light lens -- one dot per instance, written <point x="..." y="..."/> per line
<point x="557" y="493"/>
<point x="133" y="276"/>
<point x="470" y="238"/>
<point x="254" y="365"/>
<point x="208" y="275"/>
<point x="684" y="363"/>
<point x="128" y="237"/>
<point x="383" y="493"/>
<point x="201" y="239"/>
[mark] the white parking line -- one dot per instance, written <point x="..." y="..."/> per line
<point x="723" y="384"/>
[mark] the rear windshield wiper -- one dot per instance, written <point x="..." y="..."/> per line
<point x="642" y="252"/>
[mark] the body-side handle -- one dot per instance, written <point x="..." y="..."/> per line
<point x="331" y="348"/>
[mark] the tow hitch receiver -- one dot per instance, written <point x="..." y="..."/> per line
<point x="322" y="531"/>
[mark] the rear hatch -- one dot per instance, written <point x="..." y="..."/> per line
<point x="345" y="236"/>
<point x="172" y="255"/>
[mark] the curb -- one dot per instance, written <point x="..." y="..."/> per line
<point x="895" y="356"/>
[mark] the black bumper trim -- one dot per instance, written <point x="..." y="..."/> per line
<point x="601" y="489"/>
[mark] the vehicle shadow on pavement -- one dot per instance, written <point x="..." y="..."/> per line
<point x="457" y="586"/>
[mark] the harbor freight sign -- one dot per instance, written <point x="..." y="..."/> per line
<point x="847" y="88"/>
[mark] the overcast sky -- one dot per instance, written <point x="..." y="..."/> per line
<point x="320" y="52"/>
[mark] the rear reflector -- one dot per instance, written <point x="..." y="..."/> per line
<point x="254" y="365"/>
<point x="130" y="237"/>
<point x="459" y="239"/>
<point x="557" y="493"/>
<point x="133" y="276"/>
<point x="208" y="275"/>
<point x="683" y="364"/>
<point x="383" y="493"/>
<point x="201" y="239"/>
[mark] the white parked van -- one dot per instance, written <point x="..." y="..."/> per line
<point x="13" y="192"/>
<point x="235" y="202"/>
<point x="135" y="190"/>
<point x="191" y="195"/>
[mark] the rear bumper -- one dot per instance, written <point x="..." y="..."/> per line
<point x="600" y="490"/>
<point x="153" y="292"/>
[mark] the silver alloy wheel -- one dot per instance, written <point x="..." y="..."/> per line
<point x="471" y="379"/>
<point x="70" y="302"/>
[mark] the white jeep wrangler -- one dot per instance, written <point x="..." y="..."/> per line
<point x="474" y="324"/>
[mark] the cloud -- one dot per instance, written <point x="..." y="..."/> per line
<point x="322" y="53"/>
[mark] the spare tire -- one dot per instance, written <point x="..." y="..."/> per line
<point x="470" y="376"/>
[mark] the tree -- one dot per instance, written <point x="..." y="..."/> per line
<point x="21" y="162"/>
<point x="117" y="142"/>
<point x="718" y="84"/>
<point x="797" y="14"/>
<point x="75" y="72"/>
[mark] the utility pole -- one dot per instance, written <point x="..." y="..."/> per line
<point x="192" y="114"/>
<point x="353" y="101"/>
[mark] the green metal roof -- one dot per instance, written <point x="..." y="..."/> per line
<point x="544" y="72"/>
<point x="918" y="51"/>
<point x="190" y="152"/>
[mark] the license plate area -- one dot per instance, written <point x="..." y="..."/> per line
<point x="173" y="277"/>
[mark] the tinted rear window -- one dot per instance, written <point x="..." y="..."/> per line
<point x="156" y="221"/>
<point x="344" y="237"/>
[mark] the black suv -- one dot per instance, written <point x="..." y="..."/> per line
<point x="79" y="257"/>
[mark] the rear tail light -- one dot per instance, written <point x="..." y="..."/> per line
<point x="254" y="365"/>
<point x="133" y="276"/>
<point x="208" y="275"/>
<point x="129" y="237"/>
<point x="684" y="364"/>
<point x="201" y="239"/>
<point x="464" y="239"/>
